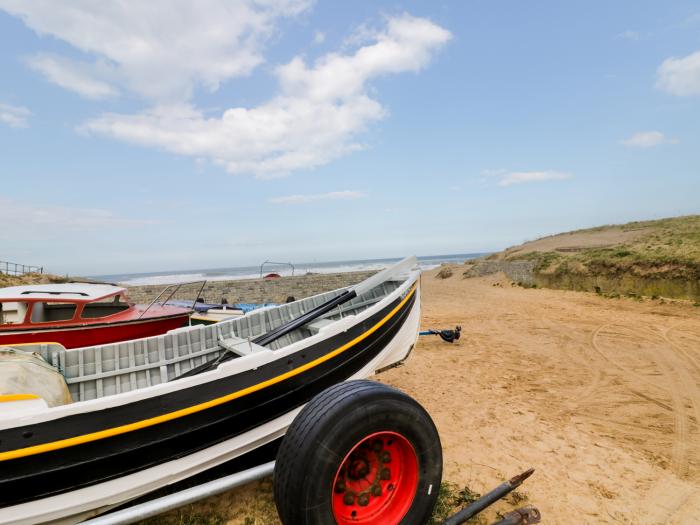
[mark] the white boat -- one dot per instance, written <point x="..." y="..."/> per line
<point x="153" y="411"/>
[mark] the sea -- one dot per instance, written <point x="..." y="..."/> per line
<point x="251" y="272"/>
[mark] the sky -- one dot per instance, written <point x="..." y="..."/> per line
<point x="149" y="136"/>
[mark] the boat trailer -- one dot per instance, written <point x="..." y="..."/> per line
<point x="383" y="492"/>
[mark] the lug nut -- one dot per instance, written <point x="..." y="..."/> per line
<point x="385" y="474"/>
<point x="377" y="490"/>
<point x="363" y="500"/>
<point x="377" y="445"/>
<point x="340" y="487"/>
<point x="349" y="498"/>
<point x="386" y="457"/>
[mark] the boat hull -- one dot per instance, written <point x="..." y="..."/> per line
<point x="217" y="421"/>
<point x="96" y="334"/>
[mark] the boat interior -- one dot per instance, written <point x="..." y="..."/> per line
<point x="104" y="308"/>
<point x="52" y="312"/>
<point x="99" y="371"/>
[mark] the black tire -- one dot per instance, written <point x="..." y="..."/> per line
<point x="325" y="431"/>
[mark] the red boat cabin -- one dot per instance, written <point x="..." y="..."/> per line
<point x="80" y="314"/>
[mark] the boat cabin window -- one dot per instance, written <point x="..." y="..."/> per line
<point x="52" y="312"/>
<point x="105" y="307"/>
<point x="13" y="312"/>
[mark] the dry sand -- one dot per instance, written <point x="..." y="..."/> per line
<point x="601" y="396"/>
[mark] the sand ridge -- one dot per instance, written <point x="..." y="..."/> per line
<point x="576" y="241"/>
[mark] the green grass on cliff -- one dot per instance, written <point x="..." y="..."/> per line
<point x="30" y="278"/>
<point x="668" y="248"/>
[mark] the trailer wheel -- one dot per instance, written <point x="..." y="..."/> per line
<point x="359" y="453"/>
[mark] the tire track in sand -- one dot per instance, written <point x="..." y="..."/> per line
<point x="669" y="501"/>
<point x="685" y="352"/>
<point x="681" y="433"/>
<point x="682" y="362"/>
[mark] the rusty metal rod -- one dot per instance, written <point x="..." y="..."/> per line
<point x="524" y="516"/>
<point x="488" y="499"/>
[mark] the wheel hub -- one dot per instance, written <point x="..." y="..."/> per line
<point x="367" y="490"/>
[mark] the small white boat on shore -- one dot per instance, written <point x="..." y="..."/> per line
<point x="153" y="411"/>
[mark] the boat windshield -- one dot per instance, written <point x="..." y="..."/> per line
<point x="105" y="307"/>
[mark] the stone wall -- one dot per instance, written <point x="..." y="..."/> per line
<point x="624" y="284"/>
<point x="620" y="284"/>
<point x="257" y="290"/>
<point x="517" y="271"/>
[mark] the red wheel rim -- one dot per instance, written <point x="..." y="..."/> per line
<point x="376" y="482"/>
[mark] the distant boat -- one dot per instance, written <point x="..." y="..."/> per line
<point x="209" y="313"/>
<point x="150" y="412"/>
<point x="81" y="314"/>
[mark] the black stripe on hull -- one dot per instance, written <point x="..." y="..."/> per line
<point x="49" y="473"/>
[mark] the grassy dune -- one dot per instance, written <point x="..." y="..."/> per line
<point x="654" y="258"/>
<point x="30" y="278"/>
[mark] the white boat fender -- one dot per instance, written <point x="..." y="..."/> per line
<point x="25" y="377"/>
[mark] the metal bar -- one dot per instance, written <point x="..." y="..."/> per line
<point x="199" y="294"/>
<point x="488" y="499"/>
<point x="177" y="287"/>
<point x="154" y="300"/>
<point x="173" y="501"/>
<point x="278" y="263"/>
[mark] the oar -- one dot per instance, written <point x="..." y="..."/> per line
<point x="349" y="294"/>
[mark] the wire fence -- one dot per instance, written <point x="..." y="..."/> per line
<point x="11" y="268"/>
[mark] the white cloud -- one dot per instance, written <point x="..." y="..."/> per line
<point x="315" y="118"/>
<point x="647" y="139"/>
<point x="630" y="35"/>
<point x="159" y="49"/>
<point x="520" y="177"/>
<point x="303" y="199"/>
<point x="14" y="116"/>
<point x="19" y="219"/>
<point x="692" y="19"/>
<point x="680" y="76"/>
<point x="83" y="78"/>
<point x="162" y="51"/>
<point x="319" y="37"/>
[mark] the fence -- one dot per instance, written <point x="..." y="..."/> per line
<point x="19" y="269"/>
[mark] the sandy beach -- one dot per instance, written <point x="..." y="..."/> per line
<point x="601" y="396"/>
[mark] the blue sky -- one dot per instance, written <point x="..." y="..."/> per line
<point x="158" y="136"/>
